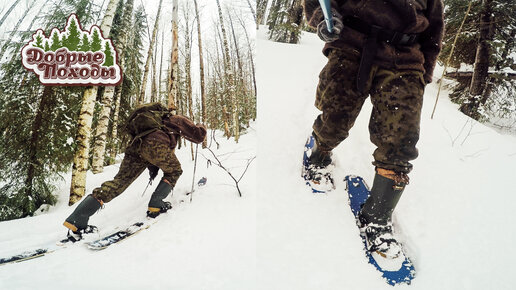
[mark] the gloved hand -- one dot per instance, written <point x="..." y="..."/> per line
<point x="153" y="171"/>
<point x="322" y="28"/>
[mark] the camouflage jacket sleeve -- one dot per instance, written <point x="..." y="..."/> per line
<point x="186" y="128"/>
<point x="431" y="38"/>
<point x="313" y="11"/>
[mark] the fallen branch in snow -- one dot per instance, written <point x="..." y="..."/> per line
<point x="219" y="164"/>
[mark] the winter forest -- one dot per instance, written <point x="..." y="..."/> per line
<point x="478" y="51"/>
<point x="195" y="55"/>
<point x="243" y="210"/>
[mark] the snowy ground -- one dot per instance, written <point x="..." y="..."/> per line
<point x="206" y="244"/>
<point x="456" y="217"/>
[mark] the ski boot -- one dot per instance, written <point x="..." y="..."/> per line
<point x="156" y="204"/>
<point x="77" y="222"/>
<point x="374" y="218"/>
<point x="317" y="167"/>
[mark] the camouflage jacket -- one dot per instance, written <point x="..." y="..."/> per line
<point x="177" y="126"/>
<point x="424" y="17"/>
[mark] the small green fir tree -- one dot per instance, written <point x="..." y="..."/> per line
<point x="74" y="35"/>
<point x="39" y="40"/>
<point x="85" y="43"/>
<point x="96" y="42"/>
<point x="56" y="41"/>
<point x="109" y="54"/>
<point x="47" y="46"/>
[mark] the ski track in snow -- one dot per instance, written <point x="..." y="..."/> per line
<point x="456" y="217"/>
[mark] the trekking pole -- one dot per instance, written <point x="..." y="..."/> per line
<point x="326" y="10"/>
<point x="150" y="181"/>
<point x="195" y="167"/>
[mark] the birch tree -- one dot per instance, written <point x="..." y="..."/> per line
<point x="107" y="98"/>
<point x="174" y="67"/>
<point x="80" y="163"/>
<point x="229" y="77"/>
<point x="141" y="98"/>
<point x="201" y="69"/>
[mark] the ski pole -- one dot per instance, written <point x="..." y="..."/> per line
<point x="326" y="10"/>
<point x="195" y="168"/>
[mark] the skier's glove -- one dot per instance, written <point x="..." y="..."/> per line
<point x="153" y="171"/>
<point x="322" y="28"/>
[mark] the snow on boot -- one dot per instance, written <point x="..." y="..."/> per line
<point x="156" y="203"/>
<point x="317" y="167"/>
<point x="380" y="240"/>
<point x="78" y="220"/>
<point x="376" y="214"/>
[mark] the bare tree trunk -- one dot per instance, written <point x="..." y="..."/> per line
<point x="15" y="29"/>
<point x="253" y="12"/>
<point x="480" y="75"/>
<point x="201" y="70"/>
<point x="154" y="88"/>
<point x="99" y="148"/>
<point x="261" y="9"/>
<point x="174" y="67"/>
<point x="160" y="80"/>
<point x="230" y="89"/>
<point x="44" y="106"/>
<point x="141" y="98"/>
<point x="80" y="160"/>
<point x="8" y="12"/>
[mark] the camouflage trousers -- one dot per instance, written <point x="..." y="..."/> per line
<point x="397" y="97"/>
<point x="138" y="156"/>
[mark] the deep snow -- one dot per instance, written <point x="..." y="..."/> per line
<point x="456" y="217"/>
<point x="206" y="244"/>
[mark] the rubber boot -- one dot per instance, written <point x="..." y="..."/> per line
<point x="78" y="220"/>
<point x="156" y="203"/>
<point x="318" y="158"/>
<point x="384" y="197"/>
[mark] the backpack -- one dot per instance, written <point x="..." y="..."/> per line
<point x="145" y="119"/>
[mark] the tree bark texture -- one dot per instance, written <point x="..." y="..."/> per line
<point x="80" y="160"/>
<point x="124" y="38"/>
<point x="201" y="70"/>
<point x="229" y="78"/>
<point x="141" y="98"/>
<point x="174" y="67"/>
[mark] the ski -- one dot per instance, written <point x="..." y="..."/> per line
<point x="394" y="271"/>
<point x="35" y="253"/>
<point x="28" y="255"/>
<point x="118" y="236"/>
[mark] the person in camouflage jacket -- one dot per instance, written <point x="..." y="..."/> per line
<point x="153" y="151"/>
<point x="385" y="49"/>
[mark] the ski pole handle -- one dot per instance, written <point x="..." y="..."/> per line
<point x="326" y="9"/>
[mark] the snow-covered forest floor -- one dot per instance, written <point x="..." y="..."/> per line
<point x="206" y="244"/>
<point x="456" y="218"/>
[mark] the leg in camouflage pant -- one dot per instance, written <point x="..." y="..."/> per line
<point x="138" y="156"/>
<point x="397" y="98"/>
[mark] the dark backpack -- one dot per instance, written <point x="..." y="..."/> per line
<point x="145" y="119"/>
